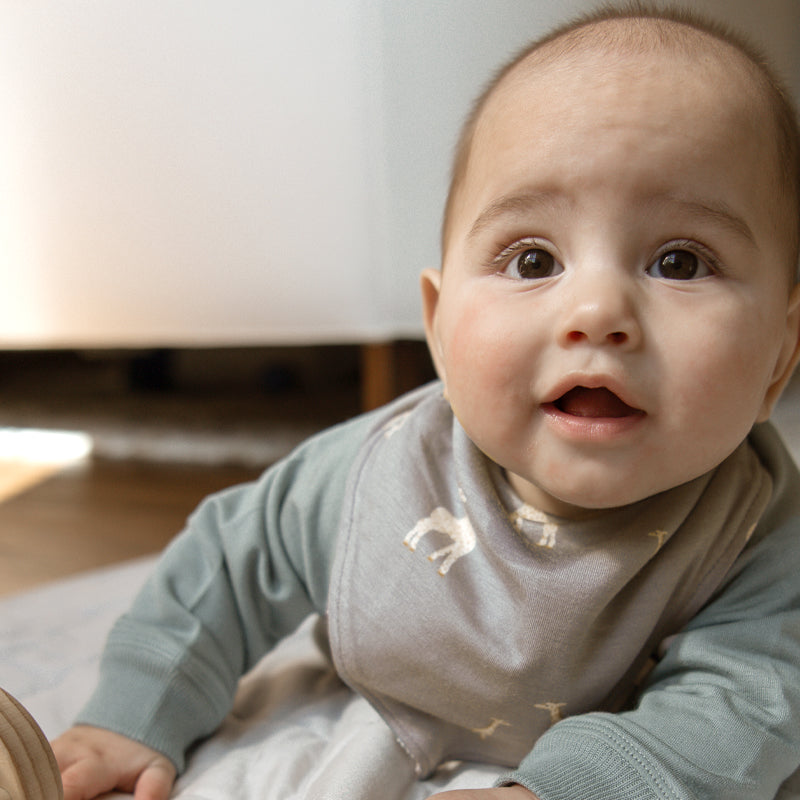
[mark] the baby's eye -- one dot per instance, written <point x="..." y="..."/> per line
<point x="532" y="264"/>
<point x="679" y="265"/>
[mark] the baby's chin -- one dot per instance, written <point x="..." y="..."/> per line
<point x="580" y="507"/>
<point x="581" y="502"/>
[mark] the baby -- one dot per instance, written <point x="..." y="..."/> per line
<point x="616" y="310"/>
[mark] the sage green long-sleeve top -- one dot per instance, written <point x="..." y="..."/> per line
<point x="718" y="718"/>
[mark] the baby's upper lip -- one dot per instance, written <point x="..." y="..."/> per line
<point x="595" y="381"/>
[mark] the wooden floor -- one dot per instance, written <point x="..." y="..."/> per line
<point x="99" y="512"/>
<point x="118" y="507"/>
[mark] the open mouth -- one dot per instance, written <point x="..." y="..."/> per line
<point x="598" y="403"/>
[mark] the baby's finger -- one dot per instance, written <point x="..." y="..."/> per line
<point x="156" y="780"/>
<point x="84" y="779"/>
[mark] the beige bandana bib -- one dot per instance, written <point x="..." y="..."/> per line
<point x="474" y="622"/>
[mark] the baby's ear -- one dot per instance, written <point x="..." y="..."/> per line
<point x="787" y="358"/>
<point x="431" y="285"/>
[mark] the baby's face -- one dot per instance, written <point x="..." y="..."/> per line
<point x="613" y="312"/>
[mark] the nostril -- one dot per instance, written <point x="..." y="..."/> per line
<point x="615" y="337"/>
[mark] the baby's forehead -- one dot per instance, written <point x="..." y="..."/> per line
<point x="631" y="85"/>
<point x="628" y="72"/>
<point x="616" y="44"/>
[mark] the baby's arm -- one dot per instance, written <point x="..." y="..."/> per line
<point x="252" y="564"/>
<point x="94" y="761"/>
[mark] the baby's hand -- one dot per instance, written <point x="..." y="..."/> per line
<point x="505" y="793"/>
<point x="94" y="761"/>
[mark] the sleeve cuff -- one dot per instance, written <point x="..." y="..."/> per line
<point x="588" y="757"/>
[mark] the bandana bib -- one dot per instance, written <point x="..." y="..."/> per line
<point x="473" y="622"/>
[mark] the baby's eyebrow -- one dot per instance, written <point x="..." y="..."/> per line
<point x="714" y="212"/>
<point x="517" y="205"/>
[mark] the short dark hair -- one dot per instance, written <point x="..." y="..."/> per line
<point x="665" y="22"/>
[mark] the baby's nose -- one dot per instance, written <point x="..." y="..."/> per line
<point x="601" y="313"/>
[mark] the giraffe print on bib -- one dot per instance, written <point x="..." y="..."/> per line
<point x="554" y="709"/>
<point x="459" y="529"/>
<point x="491" y="728"/>
<point x="526" y="513"/>
<point x="395" y="424"/>
<point x="660" y="537"/>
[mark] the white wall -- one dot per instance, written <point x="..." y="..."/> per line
<point x="179" y="172"/>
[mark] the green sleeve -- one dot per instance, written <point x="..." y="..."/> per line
<point x="720" y="716"/>
<point x="251" y="564"/>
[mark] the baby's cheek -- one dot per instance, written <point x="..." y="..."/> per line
<point x="482" y="342"/>
<point x="488" y="392"/>
<point x="716" y="399"/>
<point x="480" y="368"/>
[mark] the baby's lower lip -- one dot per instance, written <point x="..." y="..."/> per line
<point x="593" y="430"/>
<point x="592" y="416"/>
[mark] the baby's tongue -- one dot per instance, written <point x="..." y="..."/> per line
<point x="583" y="402"/>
